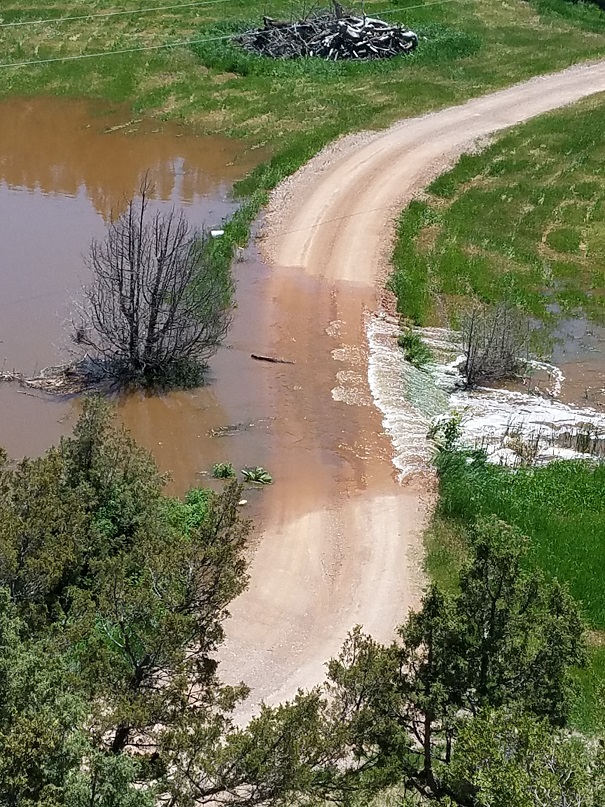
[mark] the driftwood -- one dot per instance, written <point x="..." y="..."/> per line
<point x="64" y="379"/>
<point x="272" y="359"/>
<point x="331" y="35"/>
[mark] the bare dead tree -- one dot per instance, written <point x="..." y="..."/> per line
<point x="158" y="306"/>
<point x="495" y="341"/>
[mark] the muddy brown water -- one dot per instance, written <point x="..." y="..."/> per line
<point x="65" y="166"/>
<point x="580" y="353"/>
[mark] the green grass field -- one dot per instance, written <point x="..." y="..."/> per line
<point x="524" y="220"/>
<point x="467" y="48"/>
<point x="559" y="506"/>
<point x="561" y="509"/>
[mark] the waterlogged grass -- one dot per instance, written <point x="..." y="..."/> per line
<point x="415" y="349"/>
<point x="523" y="221"/>
<point x="560" y="507"/>
<point x="467" y="47"/>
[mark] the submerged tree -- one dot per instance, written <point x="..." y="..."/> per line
<point x="495" y="341"/>
<point x="158" y="305"/>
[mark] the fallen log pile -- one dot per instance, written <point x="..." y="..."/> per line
<point x="64" y="379"/>
<point x="330" y="35"/>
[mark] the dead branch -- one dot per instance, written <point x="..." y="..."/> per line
<point x="331" y="35"/>
<point x="63" y="379"/>
<point x="271" y="359"/>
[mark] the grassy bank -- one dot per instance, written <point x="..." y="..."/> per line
<point x="523" y="220"/>
<point x="467" y="47"/>
<point x="560" y="508"/>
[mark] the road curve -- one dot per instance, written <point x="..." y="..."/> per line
<point x="340" y="543"/>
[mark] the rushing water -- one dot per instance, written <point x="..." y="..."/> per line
<point x="503" y="421"/>
<point x="65" y="168"/>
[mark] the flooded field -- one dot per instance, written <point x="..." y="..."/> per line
<point x="556" y="411"/>
<point x="65" y="167"/>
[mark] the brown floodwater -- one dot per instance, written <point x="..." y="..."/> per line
<point x="579" y="354"/>
<point x="65" y="168"/>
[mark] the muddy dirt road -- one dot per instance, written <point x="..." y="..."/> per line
<point x="341" y="538"/>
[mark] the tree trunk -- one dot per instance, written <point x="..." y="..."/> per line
<point x="120" y="741"/>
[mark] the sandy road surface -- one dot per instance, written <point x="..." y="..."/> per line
<point x="341" y="539"/>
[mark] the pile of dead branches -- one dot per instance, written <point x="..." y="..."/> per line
<point x="331" y="35"/>
<point x="63" y="379"/>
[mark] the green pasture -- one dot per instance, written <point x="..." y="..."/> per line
<point x="523" y="221"/>
<point x="467" y="47"/>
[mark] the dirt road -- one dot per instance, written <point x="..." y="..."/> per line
<point x="341" y="538"/>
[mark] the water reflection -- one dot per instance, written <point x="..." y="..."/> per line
<point x="69" y="148"/>
<point x="64" y="169"/>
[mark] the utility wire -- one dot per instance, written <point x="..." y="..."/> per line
<point x="102" y="15"/>
<point x="117" y="52"/>
<point x="111" y="14"/>
<point x="409" y="8"/>
<point x="100" y="54"/>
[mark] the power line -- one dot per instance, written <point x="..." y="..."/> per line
<point x="117" y="52"/>
<point x="111" y="14"/>
<point x="140" y="49"/>
<point x="410" y="8"/>
<point x="102" y="15"/>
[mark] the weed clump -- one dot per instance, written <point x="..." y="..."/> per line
<point x="223" y="470"/>
<point x="257" y="474"/>
<point x="415" y="349"/>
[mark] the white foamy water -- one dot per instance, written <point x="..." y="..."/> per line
<point x="392" y="380"/>
<point x="501" y="421"/>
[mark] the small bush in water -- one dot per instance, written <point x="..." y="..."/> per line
<point x="257" y="474"/>
<point x="416" y="351"/>
<point x="223" y="470"/>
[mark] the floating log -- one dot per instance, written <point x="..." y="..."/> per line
<point x="271" y="359"/>
<point x="331" y="35"/>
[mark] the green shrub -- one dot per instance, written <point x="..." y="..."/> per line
<point x="223" y="470"/>
<point x="416" y="351"/>
<point x="257" y="474"/>
<point x="189" y="514"/>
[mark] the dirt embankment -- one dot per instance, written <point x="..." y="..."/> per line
<point x="341" y="542"/>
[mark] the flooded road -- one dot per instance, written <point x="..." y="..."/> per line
<point x="64" y="169"/>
